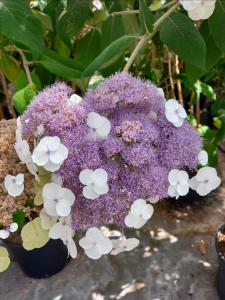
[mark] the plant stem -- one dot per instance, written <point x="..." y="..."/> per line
<point x="25" y="65"/>
<point x="147" y="36"/>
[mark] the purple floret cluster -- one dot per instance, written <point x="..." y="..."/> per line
<point x="138" y="154"/>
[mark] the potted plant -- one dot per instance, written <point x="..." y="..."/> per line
<point x="101" y="160"/>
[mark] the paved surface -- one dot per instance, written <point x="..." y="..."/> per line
<point x="170" y="264"/>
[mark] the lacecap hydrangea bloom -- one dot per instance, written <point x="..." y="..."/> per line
<point x="138" y="149"/>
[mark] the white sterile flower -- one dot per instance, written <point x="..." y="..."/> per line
<point x="23" y="151"/>
<point x="100" y="126"/>
<point x="95" y="244"/>
<point x="95" y="183"/>
<point x="57" y="179"/>
<point x="57" y="200"/>
<point x="198" y="9"/>
<point x="14" y="184"/>
<point x="124" y="245"/>
<point x="179" y="185"/>
<point x="175" y="113"/>
<point x="63" y="230"/>
<point x="152" y="115"/>
<point x="205" y="181"/>
<point x="140" y="212"/>
<point x="75" y="99"/>
<point x="46" y="220"/>
<point x="203" y="157"/>
<point x="32" y="168"/>
<point x="18" y="130"/>
<point x="40" y="130"/>
<point x="4" y="233"/>
<point x="50" y="153"/>
<point x="97" y="4"/>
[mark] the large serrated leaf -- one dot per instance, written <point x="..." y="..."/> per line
<point x="19" y="24"/>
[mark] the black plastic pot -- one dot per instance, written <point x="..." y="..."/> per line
<point x="42" y="262"/>
<point x="220" y="279"/>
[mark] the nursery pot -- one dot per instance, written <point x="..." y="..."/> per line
<point x="42" y="262"/>
<point x="220" y="249"/>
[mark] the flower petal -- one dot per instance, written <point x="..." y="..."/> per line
<point x="89" y="193"/>
<point x="93" y="253"/>
<point x="101" y="189"/>
<point x="99" y="176"/>
<point x="59" y="155"/>
<point x="63" y="208"/>
<point x="85" y="176"/>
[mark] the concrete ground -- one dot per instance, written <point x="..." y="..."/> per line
<point x="176" y="260"/>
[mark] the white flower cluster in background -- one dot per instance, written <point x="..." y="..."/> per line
<point x="95" y="183"/>
<point x="198" y="9"/>
<point x="99" y="126"/>
<point x="4" y="233"/>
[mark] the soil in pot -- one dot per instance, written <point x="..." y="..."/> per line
<point x="220" y="247"/>
<point x="43" y="262"/>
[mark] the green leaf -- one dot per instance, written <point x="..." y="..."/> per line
<point x="19" y="24"/>
<point x="146" y="17"/>
<point x="45" y="19"/>
<point x="73" y="18"/>
<point x="59" y="65"/>
<point x="88" y="48"/>
<point x="216" y="25"/>
<point x="22" y="98"/>
<point x="111" y="30"/>
<point x="19" y="218"/>
<point x="212" y="154"/>
<point x="220" y="134"/>
<point x="113" y="5"/>
<point x="206" y="132"/>
<point x="179" y="33"/>
<point x="22" y="81"/>
<point x="117" y="47"/>
<point x="53" y="9"/>
<point x="10" y="69"/>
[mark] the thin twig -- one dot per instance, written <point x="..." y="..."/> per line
<point x="147" y="36"/>
<point x="170" y="74"/>
<point x="198" y="107"/>
<point x="8" y="98"/>
<point x="179" y="88"/>
<point x="25" y="65"/>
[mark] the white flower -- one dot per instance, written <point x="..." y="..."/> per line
<point x="57" y="179"/>
<point x="152" y="115"/>
<point x="179" y="185"/>
<point x="4" y="233"/>
<point x="203" y="158"/>
<point x="40" y="130"/>
<point x="18" y="130"/>
<point x="63" y="230"/>
<point x="95" y="181"/>
<point x="97" y="4"/>
<point x="140" y="212"/>
<point x="205" y="181"/>
<point x="100" y="126"/>
<point x="23" y="151"/>
<point x="46" y="220"/>
<point x="198" y="9"/>
<point x="95" y="244"/>
<point x="32" y="168"/>
<point x="75" y="99"/>
<point x="50" y="153"/>
<point x="175" y="113"/>
<point x="124" y="245"/>
<point x="14" y="184"/>
<point x="57" y="200"/>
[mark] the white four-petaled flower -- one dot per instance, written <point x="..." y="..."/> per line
<point x="205" y="181"/>
<point x="75" y="99"/>
<point x="123" y="245"/>
<point x="175" y="113"/>
<point x="95" y="244"/>
<point x="57" y="200"/>
<point x="95" y="183"/>
<point x="14" y="184"/>
<point x="50" y="153"/>
<point x="4" y="233"/>
<point x="63" y="230"/>
<point x="203" y="158"/>
<point x="100" y="126"/>
<point x="198" y="9"/>
<point x="140" y="212"/>
<point x="178" y="180"/>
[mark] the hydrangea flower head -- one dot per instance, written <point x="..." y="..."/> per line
<point x="134" y="143"/>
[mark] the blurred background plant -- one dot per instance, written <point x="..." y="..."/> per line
<point x="81" y="42"/>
